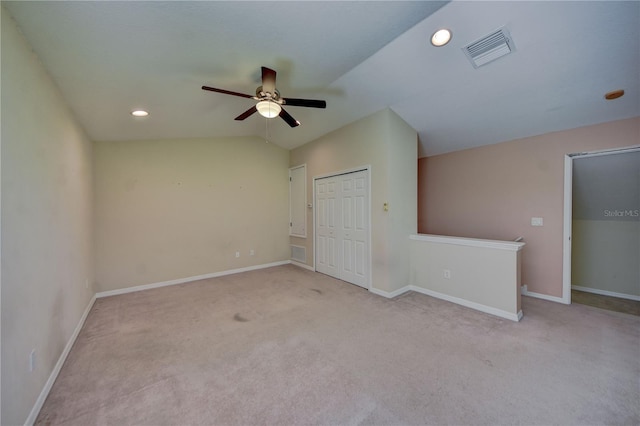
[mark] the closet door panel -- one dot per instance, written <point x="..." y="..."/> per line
<point x="327" y="250"/>
<point x="342" y="227"/>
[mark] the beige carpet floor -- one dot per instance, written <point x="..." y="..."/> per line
<point x="286" y="346"/>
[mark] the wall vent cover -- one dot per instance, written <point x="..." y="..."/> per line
<point x="489" y="48"/>
<point x="299" y="253"/>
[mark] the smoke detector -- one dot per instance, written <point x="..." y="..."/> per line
<point x="489" y="48"/>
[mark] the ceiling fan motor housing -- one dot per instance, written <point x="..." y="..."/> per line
<point x="268" y="96"/>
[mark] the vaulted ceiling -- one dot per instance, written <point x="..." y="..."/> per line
<point x="110" y="57"/>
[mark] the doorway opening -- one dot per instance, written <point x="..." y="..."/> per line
<point x="602" y="229"/>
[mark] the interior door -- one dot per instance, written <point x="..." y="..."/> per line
<point x="355" y="218"/>
<point x="342" y="227"/>
<point x="326" y="215"/>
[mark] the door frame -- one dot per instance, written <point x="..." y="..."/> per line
<point x="304" y="181"/>
<point x="568" y="211"/>
<point x="366" y="168"/>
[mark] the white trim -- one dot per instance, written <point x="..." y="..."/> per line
<point x="370" y="236"/>
<point x="566" y="229"/>
<point x="188" y="279"/>
<point x="390" y="295"/>
<point x="606" y="292"/>
<point x="631" y="148"/>
<point x="343" y="172"/>
<point x="525" y="292"/>
<point x="33" y="415"/>
<point x="304" y="166"/>
<point x="313" y="223"/>
<point x="471" y="242"/>
<point x="469" y="304"/>
<point x="463" y="302"/>
<point x="302" y="265"/>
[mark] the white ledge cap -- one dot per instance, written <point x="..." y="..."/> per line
<point x="471" y="242"/>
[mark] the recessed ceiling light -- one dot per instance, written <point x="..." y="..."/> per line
<point x="441" y="37"/>
<point x="614" y="94"/>
<point x="139" y="113"/>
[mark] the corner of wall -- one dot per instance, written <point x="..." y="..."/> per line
<point x="49" y="166"/>
<point x="402" y="216"/>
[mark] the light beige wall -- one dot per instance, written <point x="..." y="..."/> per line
<point x="370" y="141"/>
<point x="402" y="152"/>
<point x="46" y="224"/>
<point x="1" y="403"/>
<point x="493" y="191"/>
<point x="358" y="144"/>
<point x="174" y="209"/>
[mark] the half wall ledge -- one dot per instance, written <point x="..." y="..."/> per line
<point x="471" y="242"/>
<point x="476" y="273"/>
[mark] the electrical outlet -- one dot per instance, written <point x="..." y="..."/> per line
<point x="446" y="273"/>
<point x="237" y="254"/>
<point x="252" y="252"/>
<point x="32" y="360"/>
<point x="537" y="221"/>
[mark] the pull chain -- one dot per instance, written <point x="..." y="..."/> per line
<point x="266" y="130"/>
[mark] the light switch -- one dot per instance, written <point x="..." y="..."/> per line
<point x="536" y="221"/>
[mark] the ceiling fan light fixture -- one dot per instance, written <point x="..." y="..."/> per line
<point x="268" y="109"/>
<point x="441" y="37"/>
<point x="269" y="101"/>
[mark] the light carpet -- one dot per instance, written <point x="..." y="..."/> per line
<point x="286" y="346"/>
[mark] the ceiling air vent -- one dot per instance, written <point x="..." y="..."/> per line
<point x="489" y="48"/>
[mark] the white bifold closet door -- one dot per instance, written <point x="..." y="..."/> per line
<point x="342" y="227"/>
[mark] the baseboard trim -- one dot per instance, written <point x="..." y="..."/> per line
<point x="556" y="299"/>
<point x="606" y="292"/>
<point x="390" y="295"/>
<point x="33" y="415"/>
<point x="469" y="304"/>
<point x="463" y="302"/>
<point x="302" y="265"/>
<point x="188" y="279"/>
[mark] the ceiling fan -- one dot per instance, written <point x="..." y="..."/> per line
<point x="269" y="100"/>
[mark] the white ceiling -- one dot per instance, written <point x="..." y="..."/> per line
<point x="110" y="57"/>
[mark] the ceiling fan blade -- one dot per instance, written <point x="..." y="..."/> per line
<point x="288" y="118"/>
<point x="227" y="92"/>
<point x="310" y="103"/>
<point x="268" y="80"/>
<point x="247" y="113"/>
